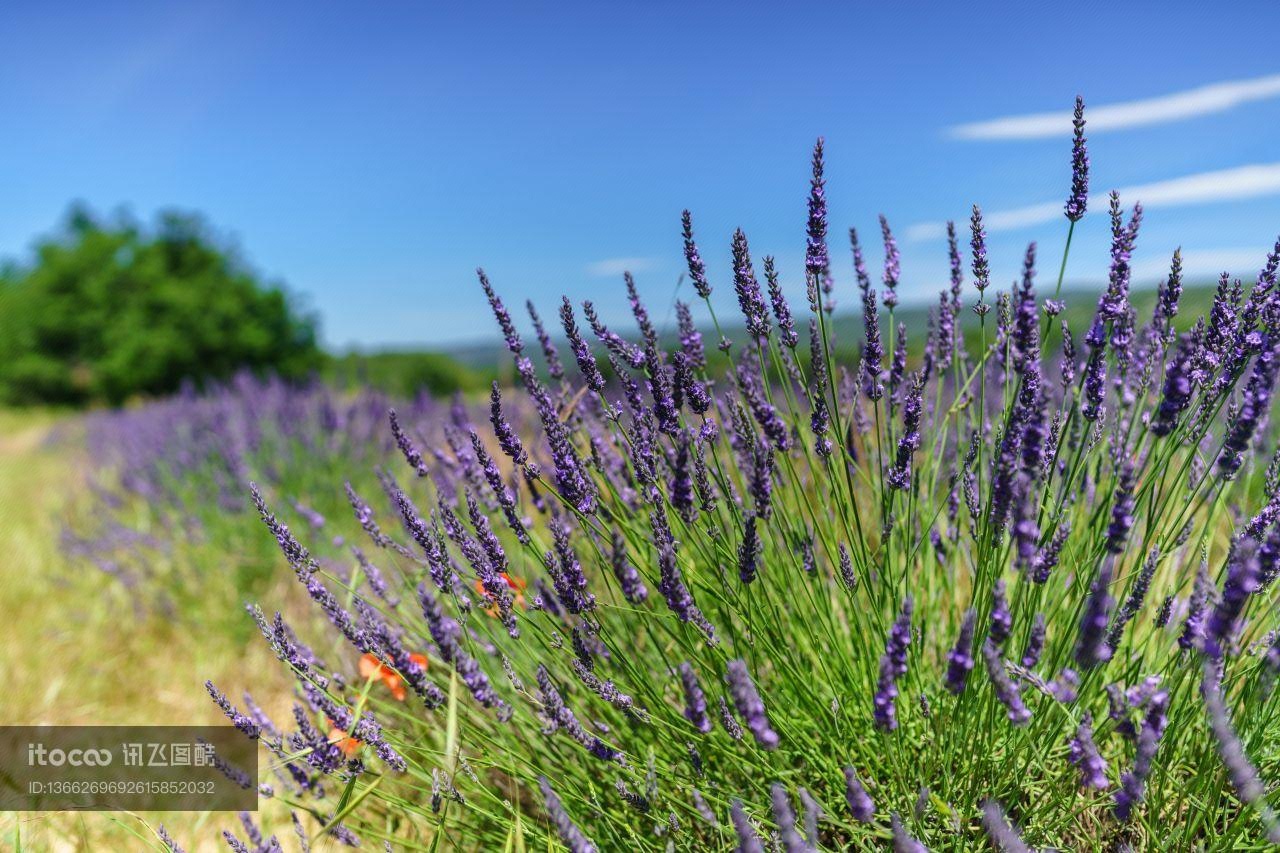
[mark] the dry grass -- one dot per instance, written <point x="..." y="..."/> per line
<point x="74" y="651"/>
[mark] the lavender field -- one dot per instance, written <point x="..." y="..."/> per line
<point x="1003" y="579"/>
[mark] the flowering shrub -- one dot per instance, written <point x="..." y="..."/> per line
<point x="993" y="590"/>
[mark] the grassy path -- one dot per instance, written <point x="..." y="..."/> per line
<point x="74" y="651"/>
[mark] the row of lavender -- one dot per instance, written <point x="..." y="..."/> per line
<point x="166" y="514"/>
<point x="997" y="589"/>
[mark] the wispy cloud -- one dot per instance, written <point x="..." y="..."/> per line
<point x="1190" y="103"/>
<point x="1261" y="179"/>
<point x="617" y="266"/>
<point x="1206" y="262"/>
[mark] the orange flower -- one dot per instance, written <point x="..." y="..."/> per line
<point x="371" y="667"/>
<point x="349" y="745"/>
<point x="516" y="584"/>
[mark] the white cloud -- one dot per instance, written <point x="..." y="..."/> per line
<point x="617" y="266"/>
<point x="1190" y="103"/>
<point x="1260" y="179"/>
<point x="1206" y="262"/>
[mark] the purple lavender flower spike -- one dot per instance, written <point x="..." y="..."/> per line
<point x="893" y="665"/>
<point x="549" y="353"/>
<point x="629" y="580"/>
<point x="1091" y="647"/>
<point x="1001" y="618"/>
<point x="572" y="837"/>
<point x="847" y="575"/>
<point x="872" y="351"/>
<point x="785" y="817"/>
<point x="695" y="701"/>
<point x="746" y="699"/>
<point x="1243" y="775"/>
<point x="246" y="726"/>
<point x="960" y="658"/>
<point x="749" y="382"/>
<point x="781" y="310"/>
<point x="630" y="354"/>
<point x="750" y="298"/>
<point x="658" y="378"/>
<point x="693" y="391"/>
<point x="902" y="841"/>
<point x="1002" y="834"/>
<point x="1047" y="559"/>
<point x="860" y="803"/>
<point x="749" y="551"/>
<point x="1035" y="642"/>
<point x="1078" y="201"/>
<point x="1242" y="581"/>
<point x="1121" y="510"/>
<point x="729" y="721"/>
<point x="1177" y="387"/>
<point x="447" y="634"/>
<point x="697" y="269"/>
<point x="647" y="332"/>
<point x="508" y="440"/>
<point x="558" y="717"/>
<point x="1133" y="781"/>
<point x="892" y="265"/>
<point x="978" y="242"/>
<point x="690" y="337"/>
<point x="509" y="333"/>
<point x="171" y="845"/>
<point x="1086" y="758"/>
<point x="1134" y="600"/>
<point x="406" y="445"/>
<point x="1007" y="690"/>
<point x="582" y="354"/>
<point x="493" y="477"/>
<point x="236" y="845"/>
<point x="816" y="260"/>
<point x="570" y="476"/>
<point x="1095" y="380"/>
<point x="1193" y="628"/>
<point x="670" y="582"/>
<point x="748" y="840"/>
<point x="299" y="557"/>
<point x="1254" y="405"/>
<point x="1167" y="295"/>
<point x="899" y="476"/>
<point x="566" y="572"/>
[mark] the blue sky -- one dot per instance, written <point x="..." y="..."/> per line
<point x="372" y="155"/>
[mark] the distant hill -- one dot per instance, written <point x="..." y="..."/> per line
<point x="491" y="359"/>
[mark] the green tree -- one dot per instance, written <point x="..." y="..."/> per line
<point x="109" y="309"/>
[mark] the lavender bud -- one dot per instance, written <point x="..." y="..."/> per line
<point x="1035" y="643"/>
<point x="748" y="840"/>
<point x="1002" y="834"/>
<point x="1086" y="758"/>
<point x="960" y="658"/>
<point x="1091" y="647"/>
<point x="746" y="700"/>
<point x="1078" y="201"/>
<point x="572" y="837"/>
<point x="1001" y="618"/>
<point x="695" y="701"/>
<point x="861" y="805"/>
<point x="1007" y="691"/>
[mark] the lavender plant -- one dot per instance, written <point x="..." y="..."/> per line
<point x="1016" y="586"/>
<point x="166" y="487"/>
